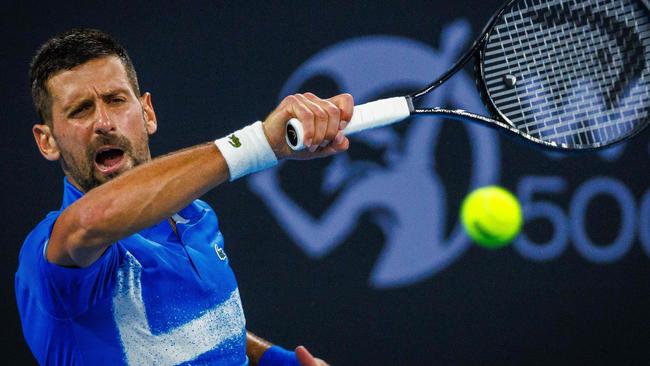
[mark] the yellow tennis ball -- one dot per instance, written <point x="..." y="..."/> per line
<point x="491" y="216"/>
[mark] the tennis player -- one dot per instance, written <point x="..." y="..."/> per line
<point x="132" y="268"/>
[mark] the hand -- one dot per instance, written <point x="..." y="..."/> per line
<point x="322" y="119"/>
<point x="306" y="359"/>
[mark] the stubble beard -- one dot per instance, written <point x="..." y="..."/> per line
<point x="83" y="171"/>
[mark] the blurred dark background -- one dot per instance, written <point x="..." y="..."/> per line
<point x="574" y="289"/>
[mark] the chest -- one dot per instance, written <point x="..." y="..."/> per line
<point x="176" y="275"/>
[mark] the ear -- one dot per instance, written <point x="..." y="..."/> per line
<point x="148" y="113"/>
<point x="46" y="142"/>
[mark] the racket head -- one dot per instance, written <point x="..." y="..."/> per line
<point x="569" y="74"/>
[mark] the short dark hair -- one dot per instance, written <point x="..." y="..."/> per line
<point x="66" y="51"/>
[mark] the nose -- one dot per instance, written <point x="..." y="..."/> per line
<point x="103" y="124"/>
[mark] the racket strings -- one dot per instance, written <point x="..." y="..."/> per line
<point x="562" y="92"/>
<point x="581" y="69"/>
<point x="632" y="67"/>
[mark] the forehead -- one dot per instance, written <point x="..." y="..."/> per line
<point x="97" y="75"/>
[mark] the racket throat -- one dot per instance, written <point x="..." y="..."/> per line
<point x="409" y="103"/>
<point x="462" y="115"/>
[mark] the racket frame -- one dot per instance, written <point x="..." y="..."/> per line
<point x="388" y="112"/>
<point x="498" y="119"/>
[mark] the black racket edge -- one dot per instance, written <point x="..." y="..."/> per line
<point x="474" y="51"/>
<point x="471" y="52"/>
<point x="501" y="121"/>
<point x="465" y="116"/>
<point x="497" y="121"/>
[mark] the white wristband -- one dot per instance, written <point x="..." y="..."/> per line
<point x="246" y="151"/>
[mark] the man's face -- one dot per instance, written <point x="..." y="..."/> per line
<point x="99" y="127"/>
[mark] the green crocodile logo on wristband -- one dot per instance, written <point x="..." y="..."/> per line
<point x="234" y="141"/>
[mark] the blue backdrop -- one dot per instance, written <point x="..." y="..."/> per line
<point x="361" y="257"/>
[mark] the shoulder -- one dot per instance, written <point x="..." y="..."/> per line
<point x="28" y="279"/>
<point x="34" y="244"/>
<point x="60" y="292"/>
<point x="203" y="205"/>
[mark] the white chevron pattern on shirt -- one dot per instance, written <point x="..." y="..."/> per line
<point x="181" y="344"/>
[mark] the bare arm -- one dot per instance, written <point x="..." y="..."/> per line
<point x="136" y="200"/>
<point x="158" y="189"/>
<point x="256" y="346"/>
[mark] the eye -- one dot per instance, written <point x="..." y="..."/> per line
<point x="117" y="100"/>
<point x="79" y="110"/>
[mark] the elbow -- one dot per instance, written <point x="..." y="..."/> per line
<point x="84" y="225"/>
<point x="77" y="236"/>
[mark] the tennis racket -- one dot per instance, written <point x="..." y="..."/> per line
<point x="564" y="74"/>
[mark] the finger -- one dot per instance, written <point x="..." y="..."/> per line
<point x="320" y="121"/>
<point x="305" y="115"/>
<point x="340" y="143"/>
<point x="340" y="147"/>
<point x="333" y="114"/>
<point x="331" y="149"/>
<point x="345" y="103"/>
<point x="338" y="138"/>
<point x="304" y="357"/>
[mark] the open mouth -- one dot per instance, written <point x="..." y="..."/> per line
<point x="109" y="159"/>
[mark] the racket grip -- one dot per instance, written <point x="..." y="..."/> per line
<point x="379" y="113"/>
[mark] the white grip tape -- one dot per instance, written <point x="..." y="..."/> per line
<point x="246" y="151"/>
<point x="365" y="116"/>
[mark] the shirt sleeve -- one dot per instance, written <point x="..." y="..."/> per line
<point x="66" y="292"/>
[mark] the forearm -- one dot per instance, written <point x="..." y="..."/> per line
<point x="255" y="348"/>
<point x="136" y="200"/>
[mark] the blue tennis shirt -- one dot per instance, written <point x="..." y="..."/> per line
<point x="153" y="298"/>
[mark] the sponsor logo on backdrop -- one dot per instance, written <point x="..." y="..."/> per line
<point x="404" y="194"/>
